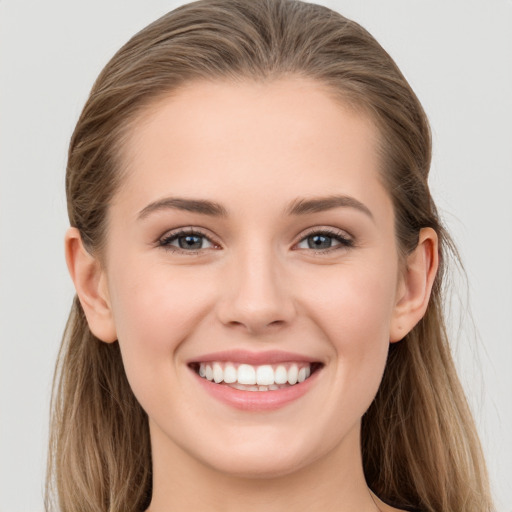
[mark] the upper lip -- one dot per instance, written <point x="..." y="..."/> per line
<point x="253" y="358"/>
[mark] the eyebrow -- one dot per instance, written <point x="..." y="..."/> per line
<point x="299" y="206"/>
<point x="201" y="206"/>
<point x="321" y="204"/>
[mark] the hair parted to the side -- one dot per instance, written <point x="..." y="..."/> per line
<point x="419" y="443"/>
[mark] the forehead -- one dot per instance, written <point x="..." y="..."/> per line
<point x="288" y="137"/>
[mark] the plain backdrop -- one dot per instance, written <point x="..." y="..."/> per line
<point x="457" y="55"/>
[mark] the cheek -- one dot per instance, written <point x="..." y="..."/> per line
<point x="155" y="309"/>
<point x="353" y="304"/>
<point x="353" y="309"/>
<point x="156" y="300"/>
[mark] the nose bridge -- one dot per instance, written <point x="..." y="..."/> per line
<point x="256" y="295"/>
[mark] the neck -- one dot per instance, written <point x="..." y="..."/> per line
<point x="334" y="482"/>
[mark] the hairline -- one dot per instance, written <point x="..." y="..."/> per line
<point x="146" y="108"/>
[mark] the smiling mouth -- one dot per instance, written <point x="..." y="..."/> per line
<point x="247" y="377"/>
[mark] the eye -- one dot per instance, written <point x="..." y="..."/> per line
<point x="186" y="241"/>
<point x="325" y="240"/>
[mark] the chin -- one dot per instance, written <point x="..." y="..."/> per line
<point x="259" y="466"/>
<point x="271" y="456"/>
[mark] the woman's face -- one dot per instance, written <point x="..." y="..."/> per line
<point x="252" y="239"/>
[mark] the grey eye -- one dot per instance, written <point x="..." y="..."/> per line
<point x="323" y="241"/>
<point x="186" y="241"/>
<point x="190" y="241"/>
<point x="319" y="241"/>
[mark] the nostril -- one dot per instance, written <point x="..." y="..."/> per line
<point x="257" y="325"/>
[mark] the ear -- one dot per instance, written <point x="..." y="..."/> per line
<point x="91" y="287"/>
<point x="415" y="285"/>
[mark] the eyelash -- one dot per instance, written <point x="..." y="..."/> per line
<point x="167" y="239"/>
<point x="345" y="242"/>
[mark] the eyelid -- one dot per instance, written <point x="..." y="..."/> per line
<point x="326" y="229"/>
<point x="173" y="234"/>
<point x="343" y="237"/>
<point x="346" y="239"/>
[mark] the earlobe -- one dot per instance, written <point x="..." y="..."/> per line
<point x="90" y="284"/>
<point x="416" y="285"/>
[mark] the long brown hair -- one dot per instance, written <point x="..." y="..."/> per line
<point x="419" y="443"/>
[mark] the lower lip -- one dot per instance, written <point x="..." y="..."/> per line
<point x="257" y="400"/>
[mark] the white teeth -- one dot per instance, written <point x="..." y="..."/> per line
<point x="230" y="374"/>
<point x="218" y="374"/>
<point x="265" y="375"/>
<point x="246" y="374"/>
<point x="241" y="387"/>
<point x="281" y="375"/>
<point x="293" y="374"/>
<point x="255" y="378"/>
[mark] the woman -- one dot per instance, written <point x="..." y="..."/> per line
<point x="258" y="264"/>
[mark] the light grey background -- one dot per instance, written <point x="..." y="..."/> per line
<point x="457" y="54"/>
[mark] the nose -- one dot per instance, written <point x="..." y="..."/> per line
<point x="256" y="295"/>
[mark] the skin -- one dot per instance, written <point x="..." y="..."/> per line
<point x="255" y="285"/>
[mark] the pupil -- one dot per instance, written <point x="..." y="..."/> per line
<point x="319" y="242"/>
<point x="190" y="242"/>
